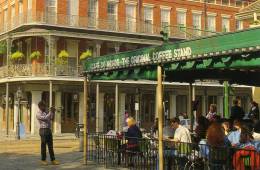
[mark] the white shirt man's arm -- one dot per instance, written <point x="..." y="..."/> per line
<point x="42" y="117"/>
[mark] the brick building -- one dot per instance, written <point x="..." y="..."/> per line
<point x="55" y="27"/>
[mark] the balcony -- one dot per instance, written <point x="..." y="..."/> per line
<point x="98" y="24"/>
<point x="39" y="70"/>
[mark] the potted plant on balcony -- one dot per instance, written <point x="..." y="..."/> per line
<point x="17" y="56"/>
<point x="85" y="55"/>
<point x="34" y="58"/>
<point x="62" y="58"/>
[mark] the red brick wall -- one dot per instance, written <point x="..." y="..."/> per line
<point x="62" y="11"/>
<point x="83" y="11"/>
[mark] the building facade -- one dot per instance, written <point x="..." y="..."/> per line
<point x="64" y="29"/>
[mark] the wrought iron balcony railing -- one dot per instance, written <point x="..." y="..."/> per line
<point x="41" y="70"/>
<point x="123" y="25"/>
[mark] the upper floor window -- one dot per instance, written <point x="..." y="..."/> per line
<point x="225" y="2"/>
<point x="211" y="23"/>
<point x="20" y="8"/>
<point x="165" y="19"/>
<point x="51" y="6"/>
<point x="5" y="19"/>
<point x="72" y="11"/>
<point x="239" y="25"/>
<point x="112" y="15"/>
<point x="29" y="4"/>
<point x="13" y="18"/>
<point x="92" y="13"/>
<point x="130" y="18"/>
<point x="196" y="23"/>
<point x="239" y="3"/>
<point x="148" y="19"/>
<point x="181" y="18"/>
<point x="225" y="25"/>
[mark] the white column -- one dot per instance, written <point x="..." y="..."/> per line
<point x="204" y="111"/>
<point x="50" y="94"/>
<point x="116" y="109"/>
<point x="117" y="47"/>
<point x="98" y="47"/>
<point x="173" y="111"/>
<point x="121" y="111"/>
<point x="100" y="114"/>
<point x="7" y="108"/>
<point x="220" y="102"/>
<point x="36" y="98"/>
<point x="15" y="115"/>
<point x="57" y="121"/>
<point x="97" y="108"/>
<point x="156" y="107"/>
<point x="81" y="103"/>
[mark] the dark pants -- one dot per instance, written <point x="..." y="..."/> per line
<point x="46" y="138"/>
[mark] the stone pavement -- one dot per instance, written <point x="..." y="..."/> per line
<point x="25" y="155"/>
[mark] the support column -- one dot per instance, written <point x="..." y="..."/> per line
<point x="220" y="108"/>
<point x="81" y="107"/>
<point x="52" y="51"/>
<point x="226" y="99"/>
<point x="204" y="103"/>
<point x="57" y="123"/>
<point x="256" y="94"/>
<point x="7" y="108"/>
<point x="190" y="105"/>
<point x="85" y="108"/>
<point x="8" y="50"/>
<point x="116" y="109"/>
<point x="117" y="47"/>
<point x="160" y="115"/>
<point x="194" y="112"/>
<point x="121" y="111"/>
<point x="173" y="111"/>
<point x="100" y="114"/>
<point x="98" y="47"/>
<point x="156" y="106"/>
<point x="50" y="93"/>
<point x="36" y="98"/>
<point x="16" y="110"/>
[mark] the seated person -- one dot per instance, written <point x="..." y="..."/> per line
<point x="234" y="136"/>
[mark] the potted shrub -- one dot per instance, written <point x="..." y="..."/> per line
<point x="62" y="57"/>
<point x="34" y="57"/>
<point x="85" y="55"/>
<point x="17" y="56"/>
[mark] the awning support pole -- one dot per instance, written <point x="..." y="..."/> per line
<point x="85" y="120"/>
<point x="226" y="99"/>
<point x="160" y="114"/>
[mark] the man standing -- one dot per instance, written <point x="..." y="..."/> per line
<point x="44" y="119"/>
<point x="181" y="134"/>
<point x="237" y="113"/>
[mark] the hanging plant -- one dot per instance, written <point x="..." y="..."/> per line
<point x="17" y="56"/>
<point x="63" y="54"/>
<point x="85" y="55"/>
<point x="35" y="55"/>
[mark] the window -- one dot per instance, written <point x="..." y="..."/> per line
<point x="20" y="8"/>
<point x="239" y="25"/>
<point x="92" y="13"/>
<point x="225" y="25"/>
<point x="112" y="15"/>
<point x="148" y="19"/>
<point x="72" y="11"/>
<point x="196" y="23"/>
<point x="13" y="18"/>
<point x="211" y="23"/>
<point x="51" y="11"/>
<point x="225" y="2"/>
<point x="181" y="22"/>
<point x="5" y="19"/>
<point x="29" y="5"/>
<point x="165" y="19"/>
<point x="239" y="3"/>
<point x="130" y="18"/>
<point x="181" y="104"/>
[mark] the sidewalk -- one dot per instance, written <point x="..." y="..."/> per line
<point x="25" y="155"/>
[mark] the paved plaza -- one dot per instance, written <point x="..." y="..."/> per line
<point x="25" y="155"/>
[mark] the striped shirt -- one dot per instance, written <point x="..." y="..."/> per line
<point x="44" y="119"/>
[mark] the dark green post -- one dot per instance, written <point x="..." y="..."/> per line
<point x="226" y="99"/>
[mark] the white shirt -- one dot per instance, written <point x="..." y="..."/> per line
<point x="182" y="134"/>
